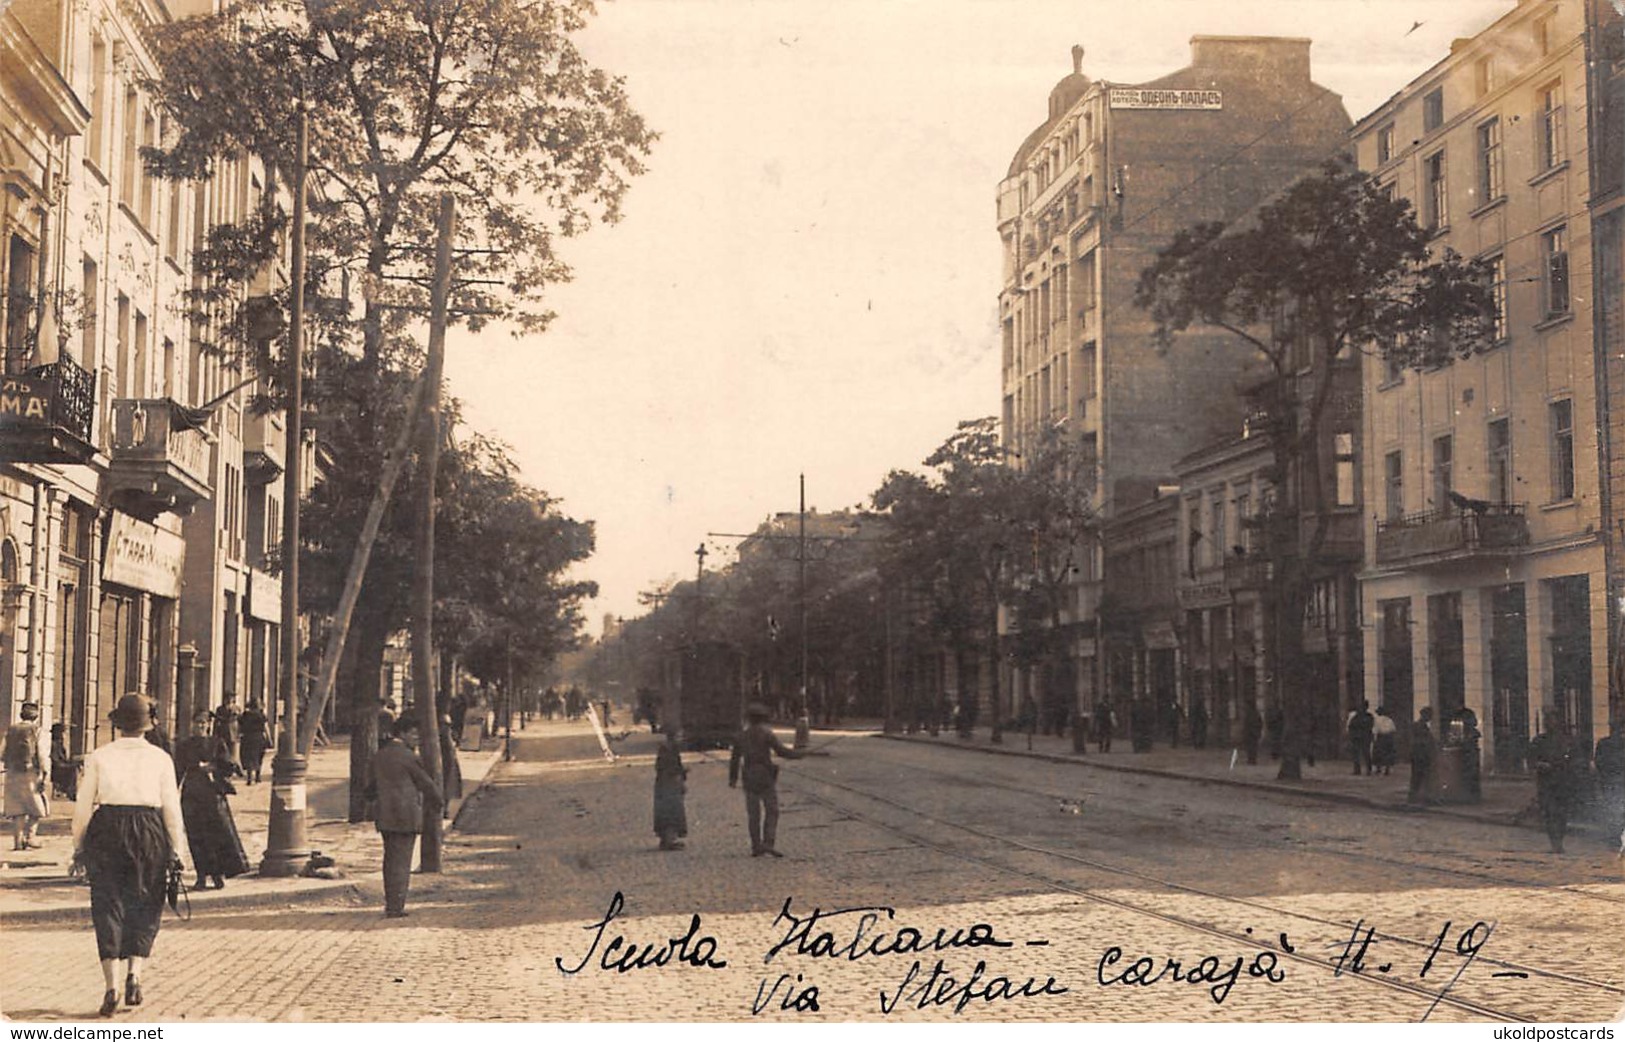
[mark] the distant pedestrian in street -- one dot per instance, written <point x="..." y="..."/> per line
<point x="1384" y="741"/>
<point x="451" y="772"/>
<point x="1556" y="777"/>
<point x="753" y="751"/>
<point x="399" y="784"/>
<point x="1140" y="725"/>
<point x="1199" y="724"/>
<point x="671" y="787"/>
<point x="1361" y="725"/>
<point x="1105" y="725"/>
<point x="127" y="832"/>
<point x="64" y="768"/>
<point x="26" y="800"/>
<point x="203" y="768"/>
<point x="254" y="737"/>
<point x="1610" y="761"/>
<point x="1471" y="772"/>
<point x="1424" y="746"/>
<point x="1252" y="730"/>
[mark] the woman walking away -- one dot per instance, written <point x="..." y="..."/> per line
<point x="671" y="785"/>
<point x="127" y="831"/>
<point x="25" y="779"/>
<point x="202" y="765"/>
<point x="254" y="737"/>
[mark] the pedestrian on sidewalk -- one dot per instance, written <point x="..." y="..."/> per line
<point x="1423" y="748"/>
<point x="1610" y="761"/>
<point x="128" y="833"/>
<point x="64" y="768"/>
<point x="1252" y="730"/>
<point x="671" y="786"/>
<point x="1275" y="725"/>
<point x="1552" y="754"/>
<point x="451" y="772"/>
<point x="1199" y="724"/>
<point x="399" y="784"/>
<point x="1105" y="725"/>
<point x="203" y="768"/>
<point x="753" y="750"/>
<point x="254" y="737"/>
<point x="26" y="801"/>
<point x="226" y="726"/>
<point x="1384" y="741"/>
<point x="1361" y="726"/>
<point x="156" y="735"/>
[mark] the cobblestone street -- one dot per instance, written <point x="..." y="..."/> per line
<point x="1065" y="865"/>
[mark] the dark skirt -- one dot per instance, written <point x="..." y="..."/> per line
<point x="210" y="831"/>
<point x="253" y="750"/>
<point x="1385" y="750"/>
<point x="127" y="855"/>
<point x="670" y="814"/>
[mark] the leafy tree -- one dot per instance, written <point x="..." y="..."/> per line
<point x="489" y="100"/>
<point x="1331" y="268"/>
<point x="955" y="532"/>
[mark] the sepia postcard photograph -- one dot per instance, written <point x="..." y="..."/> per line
<point x="871" y="512"/>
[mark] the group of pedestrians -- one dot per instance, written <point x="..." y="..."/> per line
<point x="1373" y="739"/>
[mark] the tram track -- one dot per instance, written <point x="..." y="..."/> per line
<point x="1448" y="996"/>
<point x="1300" y="846"/>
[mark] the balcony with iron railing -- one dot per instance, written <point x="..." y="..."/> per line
<point x="1445" y="536"/>
<point x="1247" y="571"/>
<point x="47" y="413"/>
<point x="159" y="457"/>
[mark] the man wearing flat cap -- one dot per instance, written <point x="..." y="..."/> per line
<point x="754" y="748"/>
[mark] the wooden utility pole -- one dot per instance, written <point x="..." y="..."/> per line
<point x="423" y="678"/>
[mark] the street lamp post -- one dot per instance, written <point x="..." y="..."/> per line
<point x="286" y="848"/>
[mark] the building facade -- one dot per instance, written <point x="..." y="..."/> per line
<point x="1090" y="196"/>
<point x="1484" y="584"/>
<point x="115" y="451"/>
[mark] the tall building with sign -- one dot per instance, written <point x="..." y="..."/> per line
<point x="116" y="426"/>
<point x="1484" y="584"/>
<point x="1091" y="195"/>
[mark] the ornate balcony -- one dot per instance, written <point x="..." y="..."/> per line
<point x="160" y="457"/>
<point x="46" y="413"/>
<point x="263" y="447"/>
<point x="1482" y="530"/>
<point x="1248" y="571"/>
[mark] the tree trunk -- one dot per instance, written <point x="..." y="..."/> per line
<point x="993" y="670"/>
<point x="1289" y="678"/>
<point x="372" y="633"/>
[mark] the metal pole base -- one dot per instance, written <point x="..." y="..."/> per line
<point x="286" y="850"/>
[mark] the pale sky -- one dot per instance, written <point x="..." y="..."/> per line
<point x="806" y="279"/>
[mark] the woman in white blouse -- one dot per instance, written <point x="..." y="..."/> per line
<point x="127" y="831"/>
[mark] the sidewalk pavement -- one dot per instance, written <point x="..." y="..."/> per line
<point x="1507" y="800"/>
<point x="34" y="884"/>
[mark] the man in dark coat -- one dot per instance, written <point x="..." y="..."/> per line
<point x="753" y="750"/>
<point x="398" y="784"/>
<point x="1610" y="761"/>
<point x="1423" y="747"/>
<point x="1199" y="724"/>
<point x="1556" y="777"/>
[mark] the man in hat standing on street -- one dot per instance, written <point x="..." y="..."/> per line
<point x="754" y="748"/>
<point x="399" y="784"/>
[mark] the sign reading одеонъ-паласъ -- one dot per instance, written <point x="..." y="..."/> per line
<point x="1147" y="98"/>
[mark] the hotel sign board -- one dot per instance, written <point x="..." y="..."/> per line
<point x="1180" y="100"/>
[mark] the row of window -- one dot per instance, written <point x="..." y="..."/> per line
<point x="1498" y="442"/>
<point x="1490" y="157"/>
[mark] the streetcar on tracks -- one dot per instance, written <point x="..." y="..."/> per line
<point x="704" y="696"/>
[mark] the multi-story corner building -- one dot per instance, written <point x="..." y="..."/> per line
<point x="1605" y="129"/>
<point x="1484" y="577"/>
<point x="106" y="444"/>
<point x="1094" y="191"/>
